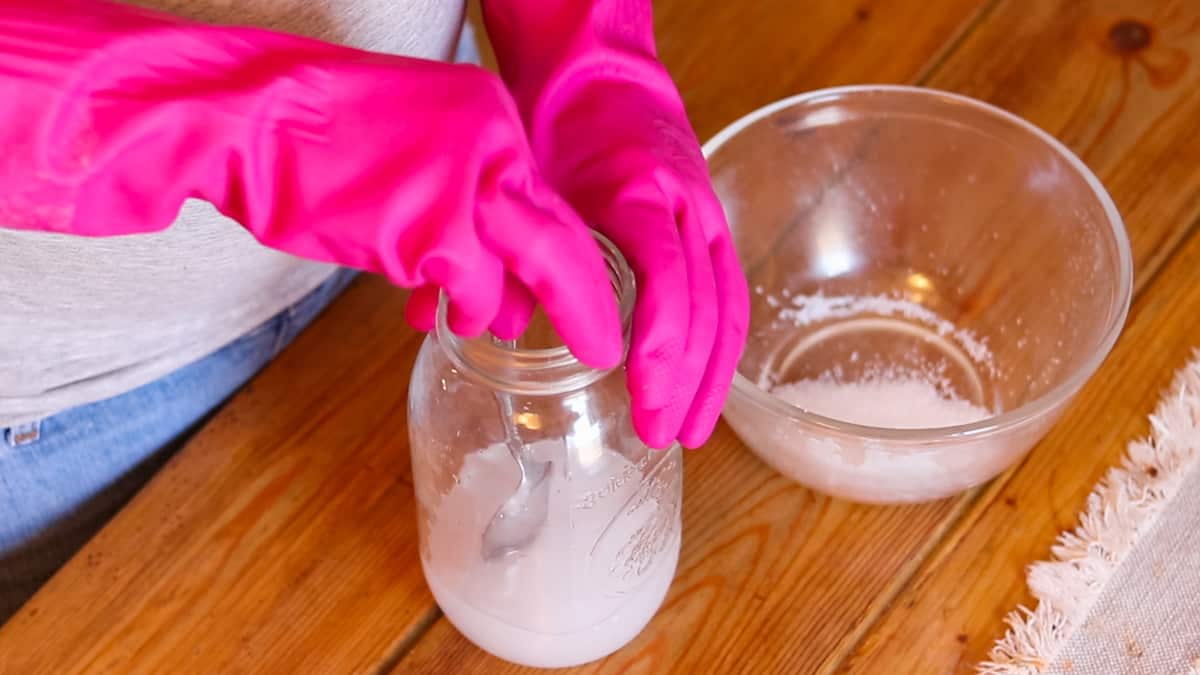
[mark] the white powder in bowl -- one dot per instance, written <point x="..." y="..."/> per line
<point x="916" y="370"/>
<point x="895" y="402"/>
<point x="818" y="308"/>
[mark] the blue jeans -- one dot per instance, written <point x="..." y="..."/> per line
<point x="61" y="479"/>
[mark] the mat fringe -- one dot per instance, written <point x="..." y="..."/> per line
<point x="1125" y="504"/>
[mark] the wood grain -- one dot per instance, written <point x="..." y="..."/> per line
<point x="1129" y="111"/>
<point x="1132" y="115"/>
<point x="730" y="58"/>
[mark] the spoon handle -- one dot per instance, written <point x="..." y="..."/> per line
<point x="508" y="417"/>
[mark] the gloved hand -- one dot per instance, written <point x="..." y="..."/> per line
<point x="610" y="132"/>
<point x="111" y="116"/>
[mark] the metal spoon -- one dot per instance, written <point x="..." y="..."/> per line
<point x="520" y="518"/>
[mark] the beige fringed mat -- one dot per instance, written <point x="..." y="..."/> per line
<point x="1122" y="593"/>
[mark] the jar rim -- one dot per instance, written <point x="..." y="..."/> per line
<point x="541" y="371"/>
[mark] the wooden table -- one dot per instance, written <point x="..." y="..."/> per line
<point x="283" y="538"/>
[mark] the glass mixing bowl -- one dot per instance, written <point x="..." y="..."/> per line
<point x="933" y="279"/>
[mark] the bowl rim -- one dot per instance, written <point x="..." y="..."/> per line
<point x="993" y="424"/>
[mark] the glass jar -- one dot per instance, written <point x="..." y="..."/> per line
<point x="591" y="539"/>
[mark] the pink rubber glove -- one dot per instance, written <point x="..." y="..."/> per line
<point x="110" y="116"/>
<point x="610" y="133"/>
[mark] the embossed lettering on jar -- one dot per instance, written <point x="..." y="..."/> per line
<point x="597" y="530"/>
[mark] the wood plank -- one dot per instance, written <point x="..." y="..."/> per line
<point x="729" y="58"/>
<point x="1128" y="111"/>
<point x="283" y="540"/>
<point x="1132" y="115"/>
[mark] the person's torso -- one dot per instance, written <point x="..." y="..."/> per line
<point x="82" y="319"/>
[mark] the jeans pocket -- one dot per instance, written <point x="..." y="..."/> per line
<point x="23" y="434"/>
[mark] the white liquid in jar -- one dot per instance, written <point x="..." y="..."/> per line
<point x="589" y="583"/>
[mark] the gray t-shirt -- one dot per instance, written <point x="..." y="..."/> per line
<point x="84" y="319"/>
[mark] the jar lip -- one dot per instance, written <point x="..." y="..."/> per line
<point x="543" y="371"/>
